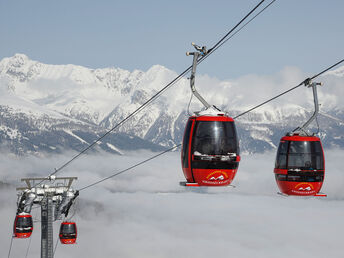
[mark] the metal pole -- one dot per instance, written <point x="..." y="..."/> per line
<point x="47" y="196"/>
<point x="47" y="245"/>
<point x="316" y="107"/>
<point x="193" y="72"/>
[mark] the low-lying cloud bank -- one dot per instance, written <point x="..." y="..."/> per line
<point x="145" y="213"/>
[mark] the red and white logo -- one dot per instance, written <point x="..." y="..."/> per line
<point x="304" y="188"/>
<point x="217" y="177"/>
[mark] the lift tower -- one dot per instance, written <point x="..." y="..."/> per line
<point x="54" y="197"/>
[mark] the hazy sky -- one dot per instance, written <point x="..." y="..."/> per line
<point x="138" y="34"/>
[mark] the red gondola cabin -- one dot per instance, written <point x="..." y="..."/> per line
<point x="210" y="151"/>
<point x="23" y="225"/>
<point x="68" y="233"/>
<point x="300" y="165"/>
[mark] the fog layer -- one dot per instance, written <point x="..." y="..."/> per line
<point x="145" y="213"/>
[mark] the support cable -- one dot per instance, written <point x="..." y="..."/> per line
<point x="28" y="247"/>
<point x="222" y="40"/>
<point x="134" y="166"/>
<point x="265" y="102"/>
<point x="176" y="146"/>
<point x="117" y="125"/>
<point x="213" y="49"/>
<point x="10" y="249"/>
<point x="332" y="117"/>
<point x="285" y="92"/>
<point x="57" y="241"/>
<point x="243" y="26"/>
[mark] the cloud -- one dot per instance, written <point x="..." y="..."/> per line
<point x="145" y="213"/>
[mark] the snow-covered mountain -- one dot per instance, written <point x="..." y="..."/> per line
<point x="50" y="108"/>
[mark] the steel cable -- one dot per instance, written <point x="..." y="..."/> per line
<point x="243" y="26"/>
<point x="214" y="48"/>
<point x="57" y="241"/>
<point x="127" y="169"/>
<point x="332" y="117"/>
<point x="285" y="92"/>
<point x="10" y="249"/>
<point x="176" y="146"/>
<point x="28" y="248"/>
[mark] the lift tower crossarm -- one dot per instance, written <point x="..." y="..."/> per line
<point x="52" y="178"/>
<point x="48" y="196"/>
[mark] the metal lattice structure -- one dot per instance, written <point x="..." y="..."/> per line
<point x="55" y="198"/>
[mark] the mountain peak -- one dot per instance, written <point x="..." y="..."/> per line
<point x="16" y="61"/>
<point x="19" y="59"/>
<point x="20" y="56"/>
<point x="157" y="69"/>
<point x="89" y="100"/>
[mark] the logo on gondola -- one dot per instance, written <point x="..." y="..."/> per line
<point x="217" y="177"/>
<point x="303" y="188"/>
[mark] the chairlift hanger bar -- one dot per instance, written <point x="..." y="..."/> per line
<point x="200" y="51"/>
<point x="309" y="83"/>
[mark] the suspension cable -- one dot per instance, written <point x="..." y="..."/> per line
<point x="213" y="49"/>
<point x="340" y="121"/>
<point x="238" y="24"/>
<point x="134" y="166"/>
<point x="176" y="146"/>
<point x="331" y="117"/>
<point x="285" y="92"/>
<point x="28" y="247"/>
<point x="237" y="31"/>
<point x="267" y="101"/>
<point x="10" y="249"/>
<point x="57" y="241"/>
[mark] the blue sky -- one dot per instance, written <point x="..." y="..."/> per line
<point x="136" y="34"/>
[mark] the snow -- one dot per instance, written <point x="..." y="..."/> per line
<point x="11" y="133"/>
<point x="111" y="146"/>
<point x="146" y="213"/>
<point x="106" y="96"/>
<point x="61" y="88"/>
<point x="74" y="135"/>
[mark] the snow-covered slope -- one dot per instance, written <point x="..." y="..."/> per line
<point x="39" y="98"/>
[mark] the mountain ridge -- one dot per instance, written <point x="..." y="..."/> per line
<point x="43" y="97"/>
